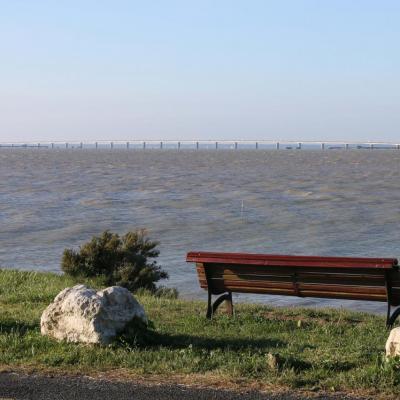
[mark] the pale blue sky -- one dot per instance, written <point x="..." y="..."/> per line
<point x="93" y="70"/>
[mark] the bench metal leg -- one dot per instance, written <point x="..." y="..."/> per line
<point x="392" y="319"/>
<point x="211" y="308"/>
<point x="229" y="304"/>
<point x="388" y="313"/>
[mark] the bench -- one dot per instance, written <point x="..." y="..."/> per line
<point x="370" y="279"/>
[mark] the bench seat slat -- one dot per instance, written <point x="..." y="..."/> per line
<point x="362" y="280"/>
<point x="268" y="270"/>
<point x="314" y="293"/>
<point x="283" y="278"/>
<point x="295" y="261"/>
<point x="228" y="285"/>
<point x="345" y="296"/>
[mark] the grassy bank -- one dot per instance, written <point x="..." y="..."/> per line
<point x="261" y="347"/>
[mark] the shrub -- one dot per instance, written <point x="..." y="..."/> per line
<point x="127" y="261"/>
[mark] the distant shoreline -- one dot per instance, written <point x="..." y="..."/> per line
<point x="205" y="145"/>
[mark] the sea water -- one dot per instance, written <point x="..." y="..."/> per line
<point x="313" y="202"/>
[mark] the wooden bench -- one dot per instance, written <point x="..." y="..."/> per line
<point x="371" y="279"/>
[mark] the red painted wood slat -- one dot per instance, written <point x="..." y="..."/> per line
<point x="290" y="260"/>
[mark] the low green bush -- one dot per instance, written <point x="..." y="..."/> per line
<point x="127" y="260"/>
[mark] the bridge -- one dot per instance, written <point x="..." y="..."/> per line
<point x="202" y="145"/>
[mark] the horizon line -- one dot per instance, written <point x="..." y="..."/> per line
<point x="213" y="141"/>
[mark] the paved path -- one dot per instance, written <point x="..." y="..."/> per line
<point x="35" y="387"/>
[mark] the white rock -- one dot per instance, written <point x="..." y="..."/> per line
<point x="80" y="314"/>
<point x="393" y="343"/>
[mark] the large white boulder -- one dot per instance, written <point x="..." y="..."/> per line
<point x="81" y="314"/>
<point x="393" y="343"/>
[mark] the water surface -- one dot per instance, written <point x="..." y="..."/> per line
<point x="339" y="203"/>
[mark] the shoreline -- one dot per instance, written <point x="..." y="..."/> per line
<point x="283" y="302"/>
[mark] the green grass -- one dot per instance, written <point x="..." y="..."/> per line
<point x="328" y="350"/>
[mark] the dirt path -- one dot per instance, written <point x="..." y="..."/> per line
<point x="36" y="387"/>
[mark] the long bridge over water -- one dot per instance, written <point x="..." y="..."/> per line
<point x="203" y="145"/>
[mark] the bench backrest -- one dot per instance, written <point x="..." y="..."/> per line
<point x="375" y="279"/>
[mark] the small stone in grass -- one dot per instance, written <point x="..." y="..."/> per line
<point x="272" y="361"/>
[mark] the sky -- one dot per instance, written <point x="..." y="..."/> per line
<point x="246" y="70"/>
